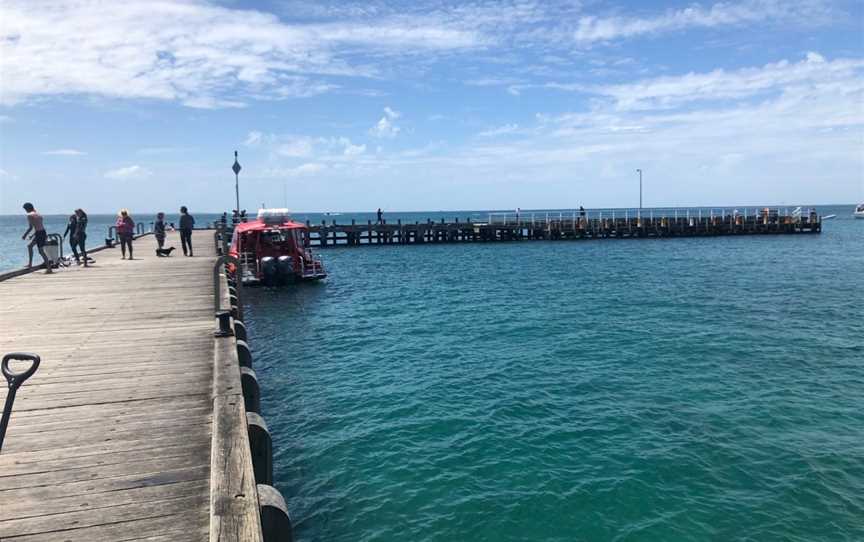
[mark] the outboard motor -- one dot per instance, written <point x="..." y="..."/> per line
<point x="286" y="268"/>
<point x="269" y="270"/>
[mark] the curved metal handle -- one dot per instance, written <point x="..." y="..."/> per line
<point x="16" y="379"/>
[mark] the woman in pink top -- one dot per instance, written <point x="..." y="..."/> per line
<point x="125" y="229"/>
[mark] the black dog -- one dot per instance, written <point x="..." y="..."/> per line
<point x="164" y="251"/>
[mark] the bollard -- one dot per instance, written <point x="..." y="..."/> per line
<point x="261" y="446"/>
<point x="274" y="515"/>
<point x="240" y="331"/>
<point x="244" y="354"/>
<point x="251" y="390"/>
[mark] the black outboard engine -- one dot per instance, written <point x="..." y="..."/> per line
<point x="269" y="270"/>
<point x="286" y="269"/>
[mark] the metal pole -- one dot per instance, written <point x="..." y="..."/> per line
<point x="640" y="188"/>
<point x="236" y="168"/>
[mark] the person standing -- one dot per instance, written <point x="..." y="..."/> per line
<point x="40" y="236"/>
<point x="380" y="216"/>
<point x="187" y="222"/>
<point x="81" y="234"/>
<point x="125" y="230"/>
<point x="159" y="230"/>
<point x="71" y="229"/>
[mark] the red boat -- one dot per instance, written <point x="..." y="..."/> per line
<point x="272" y="250"/>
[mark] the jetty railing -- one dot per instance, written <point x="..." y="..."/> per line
<point x="537" y="218"/>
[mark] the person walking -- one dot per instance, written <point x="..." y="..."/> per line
<point x="40" y="236"/>
<point x="125" y="230"/>
<point x="187" y="222"/>
<point x="159" y="230"/>
<point x="71" y="228"/>
<point x="81" y="234"/>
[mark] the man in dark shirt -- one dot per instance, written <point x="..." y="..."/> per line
<point x="187" y="222"/>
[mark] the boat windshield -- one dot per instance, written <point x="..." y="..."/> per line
<point x="276" y="237"/>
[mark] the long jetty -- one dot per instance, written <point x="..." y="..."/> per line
<point x="143" y="419"/>
<point x="568" y="225"/>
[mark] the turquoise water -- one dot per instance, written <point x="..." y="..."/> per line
<point x="672" y="389"/>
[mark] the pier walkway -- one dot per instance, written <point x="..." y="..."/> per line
<point x="111" y="438"/>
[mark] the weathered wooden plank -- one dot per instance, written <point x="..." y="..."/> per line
<point x="195" y="428"/>
<point x="99" y="460"/>
<point x="150" y="467"/>
<point x="28" y="506"/>
<point x="99" y="516"/>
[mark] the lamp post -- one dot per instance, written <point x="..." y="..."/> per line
<point x="639" y="171"/>
<point x="236" y="167"/>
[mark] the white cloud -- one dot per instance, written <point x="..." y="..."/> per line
<point x="499" y="131"/>
<point x="780" y="77"/>
<point x="350" y="148"/>
<point x="304" y="170"/>
<point x="598" y="29"/>
<point x="296" y="147"/>
<point x="128" y="173"/>
<point x="253" y="139"/>
<point x="64" y="152"/>
<point x="3" y="173"/>
<point x="5" y="119"/>
<point x="385" y="128"/>
<point x="196" y="53"/>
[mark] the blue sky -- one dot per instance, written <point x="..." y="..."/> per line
<point x="429" y="105"/>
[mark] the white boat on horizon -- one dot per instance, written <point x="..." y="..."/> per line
<point x="859" y="211"/>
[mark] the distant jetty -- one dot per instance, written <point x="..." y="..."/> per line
<point x="568" y="225"/>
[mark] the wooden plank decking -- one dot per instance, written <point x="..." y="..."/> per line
<point x="111" y="438"/>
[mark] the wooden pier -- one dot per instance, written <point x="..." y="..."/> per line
<point x="137" y="424"/>
<point x="569" y="225"/>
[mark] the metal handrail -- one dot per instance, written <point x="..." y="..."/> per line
<point x="545" y="218"/>
<point x="217" y="293"/>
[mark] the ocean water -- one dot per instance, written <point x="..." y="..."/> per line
<point x="671" y="389"/>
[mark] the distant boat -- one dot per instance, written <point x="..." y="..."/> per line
<point x="859" y="211"/>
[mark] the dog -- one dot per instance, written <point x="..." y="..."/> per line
<point x="164" y="252"/>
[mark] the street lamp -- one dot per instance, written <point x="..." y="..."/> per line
<point x="236" y="167"/>
<point x="639" y="171"/>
